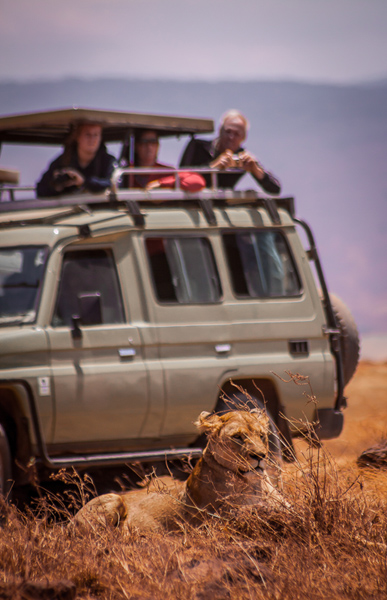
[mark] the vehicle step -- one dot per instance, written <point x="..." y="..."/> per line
<point x="119" y="458"/>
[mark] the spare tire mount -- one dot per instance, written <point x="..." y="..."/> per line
<point x="332" y="326"/>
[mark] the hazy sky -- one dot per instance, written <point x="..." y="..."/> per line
<point x="312" y="40"/>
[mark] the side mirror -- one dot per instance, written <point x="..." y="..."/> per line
<point x="76" y="331"/>
<point x="90" y="313"/>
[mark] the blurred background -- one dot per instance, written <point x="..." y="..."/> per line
<point x="311" y="77"/>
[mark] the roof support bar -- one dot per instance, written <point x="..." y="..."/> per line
<point x="134" y="211"/>
<point x="208" y="210"/>
<point x="271" y="208"/>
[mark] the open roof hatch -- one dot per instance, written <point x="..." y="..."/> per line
<point x="53" y="127"/>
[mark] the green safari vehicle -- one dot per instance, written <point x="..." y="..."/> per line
<point x="125" y="314"/>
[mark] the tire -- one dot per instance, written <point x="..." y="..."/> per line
<point x="349" y="337"/>
<point x="274" y="461"/>
<point x="5" y="464"/>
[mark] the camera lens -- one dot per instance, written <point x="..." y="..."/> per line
<point x="62" y="178"/>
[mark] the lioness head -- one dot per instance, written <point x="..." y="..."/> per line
<point x="238" y="440"/>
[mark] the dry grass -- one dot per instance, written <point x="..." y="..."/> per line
<point x="331" y="543"/>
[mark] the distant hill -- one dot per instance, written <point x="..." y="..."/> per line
<point x="327" y="144"/>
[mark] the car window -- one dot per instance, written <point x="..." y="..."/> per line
<point x="183" y="270"/>
<point x="88" y="272"/>
<point x="21" y="276"/>
<point x="261" y="265"/>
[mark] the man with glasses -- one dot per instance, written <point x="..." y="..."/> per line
<point x="226" y="152"/>
<point x="146" y="156"/>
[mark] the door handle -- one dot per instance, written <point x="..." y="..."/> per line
<point x="223" y="348"/>
<point x="127" y="352"/>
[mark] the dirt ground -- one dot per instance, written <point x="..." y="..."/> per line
<point x="329" y="542"/>
<point x="365" y="418"/>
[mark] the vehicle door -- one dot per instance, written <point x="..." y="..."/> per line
<point x="191" y="324"/>
<point x="99" y="372"/>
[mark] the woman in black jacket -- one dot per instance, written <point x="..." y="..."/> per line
<point x="84" y="165"/>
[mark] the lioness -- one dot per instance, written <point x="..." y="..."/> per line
<point x="231" y="472"/>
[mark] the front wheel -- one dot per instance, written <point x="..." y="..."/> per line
<point x="5" y="464"/>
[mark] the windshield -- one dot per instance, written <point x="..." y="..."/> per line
<point x="21" y="275"/>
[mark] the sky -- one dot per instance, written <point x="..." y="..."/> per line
<point x="314" y="41"/>
<point x="336" y="41"/>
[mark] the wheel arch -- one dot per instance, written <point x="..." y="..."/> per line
<point x="14" y="419"/>
<point x="265" y="391"/>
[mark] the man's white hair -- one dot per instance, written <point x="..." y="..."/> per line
<point x="231" y="114"/>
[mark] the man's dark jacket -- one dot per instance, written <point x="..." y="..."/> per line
<point x="200" y="153"/>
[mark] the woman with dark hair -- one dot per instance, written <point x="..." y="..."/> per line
<point x="84" y="165"/>
<point x="145" y="155"/>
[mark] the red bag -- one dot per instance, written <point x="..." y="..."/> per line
<point x="189" y="182"/>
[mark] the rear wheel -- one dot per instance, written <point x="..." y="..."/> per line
<point x="5" y="464"/>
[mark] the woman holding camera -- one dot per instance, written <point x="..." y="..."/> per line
<point x="84" y="165"/>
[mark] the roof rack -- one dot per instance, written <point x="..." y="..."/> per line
<point x="133" y="199"/>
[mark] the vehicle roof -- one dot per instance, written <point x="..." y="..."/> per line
<point x="42" y="217"/>
<point x="50" y="225"/>
<point x="52" y="127"/>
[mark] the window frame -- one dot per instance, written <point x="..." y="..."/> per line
<point x="109" y="251"/>
<point x="46" y="249"/>
<point x="248" y="297"/>
<point x="179" y="236"/>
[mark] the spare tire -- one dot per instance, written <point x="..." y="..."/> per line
<point x="349" y="337"/>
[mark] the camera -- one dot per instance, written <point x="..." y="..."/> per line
<point x="62" y="178"/>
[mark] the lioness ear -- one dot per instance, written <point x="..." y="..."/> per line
<point x="261" y="415"/>
<point x="207" y="422"/>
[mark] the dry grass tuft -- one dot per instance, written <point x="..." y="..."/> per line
<point x="330" y="543"/>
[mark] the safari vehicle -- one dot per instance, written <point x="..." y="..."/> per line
<point x="125" y="314"/>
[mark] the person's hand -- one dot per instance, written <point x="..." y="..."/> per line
<point x="224" y="161"/>
<point x="249" y="163"/>
<point x="76" y="178"/>
<point x="64" y="178"/>
<point x="153" y="185"/>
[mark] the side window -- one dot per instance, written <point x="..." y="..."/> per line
<point x="183" y="270"/>
<point x="261" y="265"/>
<point x="21" y="276"/>
<point x="88" y="272"/>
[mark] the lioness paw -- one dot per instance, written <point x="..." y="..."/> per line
<point x="107" y="510"/>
